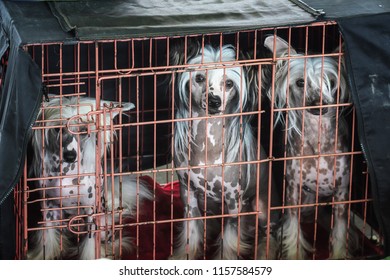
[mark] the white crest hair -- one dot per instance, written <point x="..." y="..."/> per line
<point x="295" y="67"/>
<point x="248" y="100"/>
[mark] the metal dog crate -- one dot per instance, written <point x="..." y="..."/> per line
<point x="138" y="69"/>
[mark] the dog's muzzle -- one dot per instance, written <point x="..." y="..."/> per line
<point x="214" y="103"/>
<point x="317" y="111"/>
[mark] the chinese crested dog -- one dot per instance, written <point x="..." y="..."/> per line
<point x="318" y="84"/>
<point x="65" y="158"/>
<point x="209" y="147"/>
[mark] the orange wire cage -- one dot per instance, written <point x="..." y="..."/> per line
<point x="141" y="144"/>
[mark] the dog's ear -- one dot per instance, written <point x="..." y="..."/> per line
<point x="124" y="106"/>
<point x="176" y="56"/>
<point x="278" y="46"/>
<point x="183" y="50"/>
<point x="344" y="83"/>
<point x="251" y="73"/>
<point x="341" y="48"/>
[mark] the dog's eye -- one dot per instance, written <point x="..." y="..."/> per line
<point x="300" y="83"/>
<point x="332" y="83"/>
<point x="199" y="78"/>
<point x="229" y="84"/>
<point x="57" y="130"/>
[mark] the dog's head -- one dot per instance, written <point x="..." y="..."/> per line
<point x="67" y="144"/>
<point x="307" y="81"/>
<point x="212" y="83"/>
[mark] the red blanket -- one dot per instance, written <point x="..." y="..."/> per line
<point x="154" y="240"/>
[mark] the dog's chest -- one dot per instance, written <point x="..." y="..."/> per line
<point x="207" y="175"/>
<point x="325" y="174"/>
<point x="207" y="144"/>
<point x="321" y="173"/>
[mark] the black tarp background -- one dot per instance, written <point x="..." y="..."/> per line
<point x="17" y="113"/>
<point x="367" y="42"/>
<point x="24" y="22"/>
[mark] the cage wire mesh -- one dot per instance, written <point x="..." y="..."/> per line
<point x="106" y="175"/>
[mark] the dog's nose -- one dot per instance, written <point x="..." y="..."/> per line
<point x="214" y="101"/>
<point x="318" y="111"/>
<point x="70" y="156"/>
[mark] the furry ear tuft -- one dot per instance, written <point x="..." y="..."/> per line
<point x="250" y="74"/>
<point x="124" y="106"/>
<point x="182" y="51"/>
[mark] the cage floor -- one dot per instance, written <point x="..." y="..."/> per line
<point x="152" y="246"/>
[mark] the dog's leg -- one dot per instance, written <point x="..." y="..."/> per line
<point x="47" y="242"/>
<point x="262" y="245"/>
<point x="338" y="239"/>
<point x="191" y="236"/>
<point x="262" y="248"/>
<point x="114" y="246"/>
<point x="227" y="243"/>
<point x="294" y="244"/>
<point x="87" y="246"/>
<point x="233" y="246"/>
<point x="264" y="220"/>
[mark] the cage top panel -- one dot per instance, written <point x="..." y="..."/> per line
<point x="40" y="22"/>
<point x="53" y="21"/>
<point x="138" y="18"/>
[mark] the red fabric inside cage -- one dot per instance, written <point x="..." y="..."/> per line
<point x="154" y="240"/>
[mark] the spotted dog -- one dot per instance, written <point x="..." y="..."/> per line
<point x="311" y="133"/>
<point x="206" y="148"/>
<point x="65" y="156"/>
